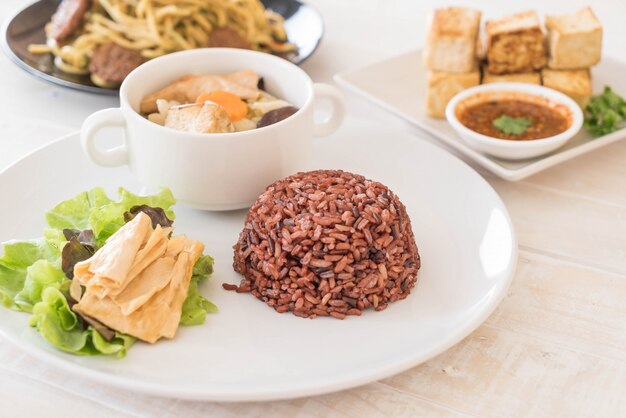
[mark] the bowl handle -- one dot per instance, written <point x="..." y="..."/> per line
<point x="331" y="123"/>
<point x="112" y="157"/>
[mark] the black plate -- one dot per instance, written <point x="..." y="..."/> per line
<point x="303" y="24"/>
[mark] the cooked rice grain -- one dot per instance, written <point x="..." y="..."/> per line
<point x="327" y="243"/>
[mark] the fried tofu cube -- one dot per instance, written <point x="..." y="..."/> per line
<point x="515" y="44"/>
<point x="451" y="40"/>
<point x="481" y="46"/>
<point x="206" y="118"/>
<point x="575" y="83"/>
<point x="532" y="77"/>
<point x="442" y="86"/>
<point x="574" y="40"/>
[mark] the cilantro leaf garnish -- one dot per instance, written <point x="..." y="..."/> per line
<point x="512" y="126"/>
<point x="605" y="113"/>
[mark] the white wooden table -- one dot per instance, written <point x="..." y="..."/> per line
<point x="556" y="346"/>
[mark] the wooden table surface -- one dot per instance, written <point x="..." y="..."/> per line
<point x="556" y="345"/>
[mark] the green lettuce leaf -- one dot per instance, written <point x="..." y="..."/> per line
<point x="25" y="253"/>
<point x="203" y="267"/>
<point x="118" y="345"/>
<point x="94" y="210"/>
<point x="55" y="239"/>
<point x="31" y="277"/>
<point x="39" y="276"/>
<point x="196" y="306"/>
<point x="107" y="219"/>
<point x="58" y="325"/>
<point x="74" y="213"/>
<point x="18" y="256"/>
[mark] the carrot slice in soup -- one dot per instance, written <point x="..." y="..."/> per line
<point x="236" y="108"/>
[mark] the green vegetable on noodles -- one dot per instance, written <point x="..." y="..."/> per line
<point x="605" y="113"/>
<point x="34" y="273"/>
<point x="512" y="126"/>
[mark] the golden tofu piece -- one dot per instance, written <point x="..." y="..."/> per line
<point x="515" y="44"/>
<point x="481" y="46"/>
<point x="574" y="40"/>
<point x="153" y="315"/>
<point x="575" y="83"/>
<point x="138" y="281"/>
<point x="532" y="77"/>
<point x="451" y="40"/>
<point x="442" y="86"/>
<point x="206" y="118"/>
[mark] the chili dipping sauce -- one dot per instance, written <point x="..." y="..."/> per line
<point x="548" y="118"/>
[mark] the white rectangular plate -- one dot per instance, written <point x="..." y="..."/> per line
<point x="398" y="85"/>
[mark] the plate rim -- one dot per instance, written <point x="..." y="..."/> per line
<point x="13" y="57"/>
<point x="487" y="162"/>
<point x="364" y="377"/>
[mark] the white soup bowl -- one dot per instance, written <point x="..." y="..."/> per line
<point x="216" y="171"/>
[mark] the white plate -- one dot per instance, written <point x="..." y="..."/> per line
<point x="248" y="351"/>
<point x="398" y="85"/>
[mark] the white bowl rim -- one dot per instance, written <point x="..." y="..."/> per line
<point x="181" y="55"/>
<point x="532" y="89"/>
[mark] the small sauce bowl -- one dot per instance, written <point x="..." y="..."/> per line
<point x="507" y="148"/>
